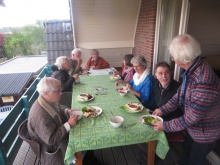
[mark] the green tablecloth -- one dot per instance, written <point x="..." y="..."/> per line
<point x="97" y="133"/>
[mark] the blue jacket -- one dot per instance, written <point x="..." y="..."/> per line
<point x="146" y="90"/>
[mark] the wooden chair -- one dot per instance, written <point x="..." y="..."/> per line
<point x="24" y="135"/>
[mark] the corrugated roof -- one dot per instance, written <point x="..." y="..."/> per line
<point x="14" y="83"/>
<point x="24" y="64"/>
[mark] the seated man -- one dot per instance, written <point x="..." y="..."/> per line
<point x="96" y="62"/>
<point x="48" y="124"/>
<point x="75" y="61"/>
<point x="165" y="87"/>
<point x="61" y="72"/>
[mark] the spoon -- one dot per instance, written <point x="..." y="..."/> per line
<point x="113" y="116"/>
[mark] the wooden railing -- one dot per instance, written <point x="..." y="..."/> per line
<point x="9" y="140"/>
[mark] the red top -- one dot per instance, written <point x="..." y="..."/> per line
<point x="100" y="63"/>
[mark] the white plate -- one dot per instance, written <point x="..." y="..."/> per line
<point x="83" y="100"/>
<point x="97" y="108"/>
<point x="115" y="78"/>
<point x="139" y="109"/>
<point x="141" y="119"/>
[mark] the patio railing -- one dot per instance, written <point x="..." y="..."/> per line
<point x="9" y="140"/>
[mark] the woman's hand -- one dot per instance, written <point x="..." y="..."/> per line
<point x="158" y="126"/>
<point x="73" y="120"/>
<point x="128" y="86"/>
<point x="118" y="82"/>
<point x="157" y="112"/>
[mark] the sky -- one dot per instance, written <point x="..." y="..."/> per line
<point x="18" y="13"/>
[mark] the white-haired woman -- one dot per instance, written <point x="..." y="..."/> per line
<point x="48" y="124"/>
<point x="199" y="98"/>
<point x="75" y="61"/>
<point x="61" y="72"/>
<point x="142" y="84"/>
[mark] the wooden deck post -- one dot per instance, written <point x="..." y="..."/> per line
<point x="79" y="158"/>
<point x="151" y="148"/>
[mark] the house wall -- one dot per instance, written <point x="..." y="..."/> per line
<point x="144" y="36"/>
<point x="108" y="26"/>
<point x="204" y="25"/>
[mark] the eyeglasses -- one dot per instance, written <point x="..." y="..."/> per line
<point x="137" y="66"/>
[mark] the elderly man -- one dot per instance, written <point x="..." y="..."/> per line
<point x="198" y="97"/>
<point x="96" y="62"/>
<point x="75" y="61"/>
<point x="48" y="124"/>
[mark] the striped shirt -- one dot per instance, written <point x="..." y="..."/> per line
<point x="201" y="104"/>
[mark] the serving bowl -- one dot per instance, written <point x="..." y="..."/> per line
<point x="116" y="121"/>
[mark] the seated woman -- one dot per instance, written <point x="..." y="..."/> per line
<point x="142" y="84"/>
<point x="96" y="62"/>
<point x="61" y="72"/>
<point x="127" y="70"/>
<point x="48" y="124"/>
<point x="75" y="61"/>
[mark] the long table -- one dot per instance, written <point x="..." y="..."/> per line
<point x="97" y="132"/>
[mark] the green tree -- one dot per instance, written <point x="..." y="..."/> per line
<point x="29" y="40"/>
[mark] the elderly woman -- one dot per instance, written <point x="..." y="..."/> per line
<point x="142" y="84"/>
<point x="48" y="124"/>
<point x="75" y="61"/>
<point x="61" y="72"/>
<point x="96" y="62"/>
<point x="127" y="70"/>
<point x="199" y="98"/>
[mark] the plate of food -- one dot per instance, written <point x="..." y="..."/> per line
<point x="150" y="119"/>
<point x="91" y="111"/>
<point x="132" y="107"/>
<point x="84" y="97"/>
<point x="115" y="78"/>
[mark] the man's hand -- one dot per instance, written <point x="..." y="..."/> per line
<point x="73" y="120"/>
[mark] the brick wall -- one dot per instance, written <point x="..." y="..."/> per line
<point x="144" y="37"/>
